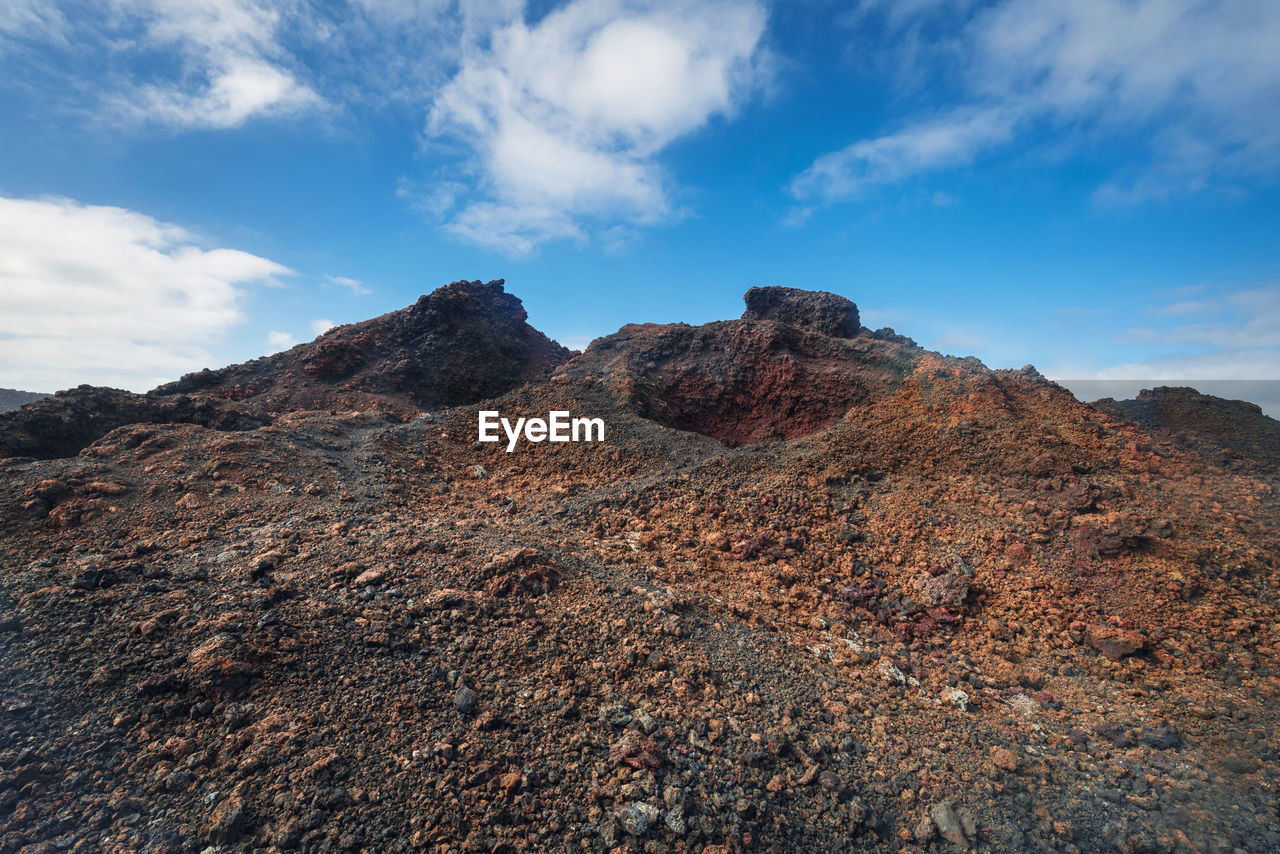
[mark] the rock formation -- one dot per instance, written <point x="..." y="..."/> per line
<point x="1229" y="432"/>
<point x="61" y="424"/>
<point x="461" y="343"/>
<point x="819" y="311"/>
<point x="464" y="342"/>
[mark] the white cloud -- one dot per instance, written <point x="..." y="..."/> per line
<point x="1195" y="83"/>
<point x="174" y="63"/>
<point x="277" y="341"/>
<point x="1241" y="319"/>
<point x="1239" y="364"/>
<point x="1232" y="350"/>
<point x="566" y="116"/>
<point x="541" y="125"/>
<point x="949" y="140"/>
<point x="30" y="19"/>
<point x="109" y="296"/>
<point x="321" y="325"/>
<point x="234" y="68"/>
<point x="356" y="286"/>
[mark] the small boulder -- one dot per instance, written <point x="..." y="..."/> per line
<point x="942" y="588"/>
<point x="465" y="700"/>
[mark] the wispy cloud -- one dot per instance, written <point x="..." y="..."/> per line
<point x="231" y="66"/>
<point x="1242" y="319"/>
<point x="1197" y="84"/>
<point x="566" y="116"/>
<point x="952" y="139"/>
<point x="219" y="64"/>
<point x="29" y="19"/>
<point x="356" y="286"/>
<point x="1234" y="338"/>
<point x="540" y="126"/>
<point x="135" y="304"/>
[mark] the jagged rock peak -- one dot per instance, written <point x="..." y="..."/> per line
<point x="826" y="313"/>
<point x="470" y="297"/>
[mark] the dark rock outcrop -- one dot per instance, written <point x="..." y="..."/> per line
<point x="818" y="311"/>
<point x="792" y="365"/>
<point x="463" y="342"/>
<point x="1225" y="432"/>
<point x="61" y="425"/>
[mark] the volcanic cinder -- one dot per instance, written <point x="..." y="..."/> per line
<point x="819" y="590"/>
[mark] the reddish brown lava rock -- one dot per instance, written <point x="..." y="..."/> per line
<point x="637" y="751"/>
<point x="946" y="589"/>
<point x="789" y="367"/>
<point x="1112" y="642"/>
<point x="522" y="571"/>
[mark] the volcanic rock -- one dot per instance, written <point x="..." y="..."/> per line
<point x="1112" y="642"/>
<point x="1226" y="432"/>
<point x="270" y="637"/>
<point x="944" y="819"/>
<point x="819" y="311"/>
<point x="746" y="381"/>
<point x="63" y="424"/>
<point x="463" y="342"/>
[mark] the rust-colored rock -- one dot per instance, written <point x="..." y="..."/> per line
<point x="1114" y="643"/>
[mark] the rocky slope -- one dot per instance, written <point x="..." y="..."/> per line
<point x="463" y="342"/>
<point x="819" y="589"/>
<point x="1232" y="433"/>
<point x="61" y="424"/>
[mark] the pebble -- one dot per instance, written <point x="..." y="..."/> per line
<point x="944" y="818"/>
<point x="465" y="700"/>
<point x="1004" y="759"/>
<point x="636" y="817"/>
<point x="957" y="698"/>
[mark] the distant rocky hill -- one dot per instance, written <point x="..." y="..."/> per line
<point x="12" y="398"/>
<point x="1227" y="432"/>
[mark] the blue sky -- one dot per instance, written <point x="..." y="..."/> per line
<point x="1087" y="186"/>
